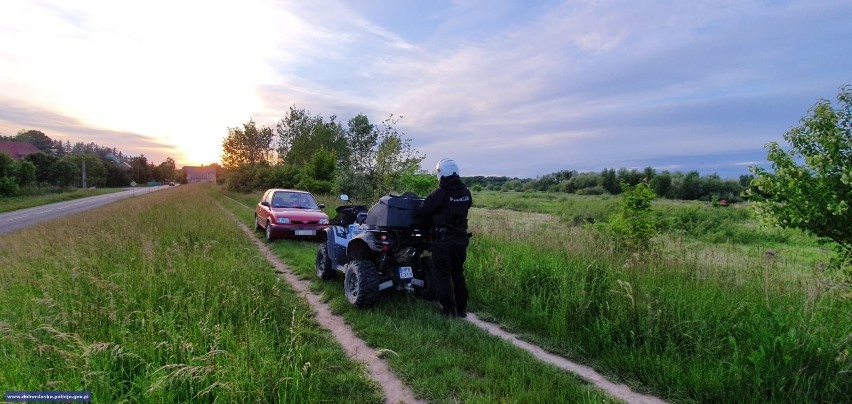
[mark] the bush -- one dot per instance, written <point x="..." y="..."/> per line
<point x="595" y="190"/>
<point x="8" y="186"/>
<point x="634" y="224"/>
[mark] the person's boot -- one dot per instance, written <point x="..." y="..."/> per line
<point x="448" y="311"/>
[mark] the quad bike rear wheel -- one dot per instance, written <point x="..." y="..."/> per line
<point x="361" y="283"/>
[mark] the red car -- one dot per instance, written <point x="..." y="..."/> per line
<point x="290" y="213"/>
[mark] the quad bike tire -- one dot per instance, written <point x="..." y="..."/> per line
<point x="428" y="291"/>
<point x="361" y="283"/>
<point x="323" y="264"/>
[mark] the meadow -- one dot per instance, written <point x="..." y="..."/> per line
<point x="161" y="298"/>
<point x="164" y="299"/>
<point x="720" y="309"/>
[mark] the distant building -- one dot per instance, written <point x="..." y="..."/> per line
<point x="119" y="161"/>
<point x="17" y="150"/>
<point x="199" y="174"/>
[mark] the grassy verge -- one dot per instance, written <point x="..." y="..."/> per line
<point x="443" y="360"/>
<point x="697" y="320"/>
<point x="161" y="299"/>
<point x="8" y="204"/>
<point x="694" y="321"/>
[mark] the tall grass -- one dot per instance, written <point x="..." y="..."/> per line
<point x="698" y="319"/>
<point x="732" y="328"/>
<point x="161" y="299"/>
<point x="443" y="360"/>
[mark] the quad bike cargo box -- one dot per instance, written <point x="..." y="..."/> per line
<point x="395" y="211"/>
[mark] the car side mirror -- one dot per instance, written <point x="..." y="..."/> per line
<point x="265" y="203"/>
<point x="322" y="206"/>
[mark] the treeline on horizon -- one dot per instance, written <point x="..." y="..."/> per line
<point x="666" y="184"/>
<point x="58" y="165"/>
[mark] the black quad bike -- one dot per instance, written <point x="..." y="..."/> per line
<point x="385" y="247"/>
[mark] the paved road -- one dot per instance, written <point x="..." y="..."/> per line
<point x="18" y="219"/>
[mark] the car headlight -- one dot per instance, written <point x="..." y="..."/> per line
<point x="282" y="220"/>
<point x="323" y="221"/>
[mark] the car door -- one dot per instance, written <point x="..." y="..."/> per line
<point x="262" y="212"/>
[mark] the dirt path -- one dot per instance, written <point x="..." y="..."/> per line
<point x="394" y="389"/>
<point x="619" y="391"/>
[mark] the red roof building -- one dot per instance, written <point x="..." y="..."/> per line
<point x="17" y="150"/>
<point x="199" y="174"/>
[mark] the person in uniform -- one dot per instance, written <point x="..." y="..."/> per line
<point x="447" y="208"/>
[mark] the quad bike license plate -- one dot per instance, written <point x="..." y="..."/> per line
<point x="405" y="273"/>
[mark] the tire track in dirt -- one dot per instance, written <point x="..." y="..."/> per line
<point x="394" y="389"/>
<point x="619" y="391"/>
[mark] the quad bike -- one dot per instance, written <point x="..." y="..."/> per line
<point x="385" y="247"/>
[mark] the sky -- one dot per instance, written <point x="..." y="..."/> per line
<point x="506" y="88"/>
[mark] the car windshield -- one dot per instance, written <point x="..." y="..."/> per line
<point x="297" y="200"/>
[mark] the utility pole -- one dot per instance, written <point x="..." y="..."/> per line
<point x="84" y="174"/>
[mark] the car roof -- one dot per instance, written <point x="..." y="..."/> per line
<point x="287" y="190"/>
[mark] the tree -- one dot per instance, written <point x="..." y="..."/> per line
<point x="300" y="135"/>
<point x="248" y="145"/>
<point x="379" y="158"/>
<point x="140" y="171"/>
<point x="421" y="183"/>
<point x="42" y="162"/>
<point x="26" y="174"/>
<point x="96" y="171"/>
<point x="8" y="172"/>
<point x="318" y="173"/>
<point x="36" y="138"/>
<point x="609" y="181"/>
<point x="166" y="170"/>
<point x="661" y="183"/>
<point x="810" y="187"/>
<point x="65" y="172"/>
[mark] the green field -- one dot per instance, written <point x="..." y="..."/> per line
<point x="164" y="299"/>
<point x="161" y="298"/>
<point x="719" y="310"/>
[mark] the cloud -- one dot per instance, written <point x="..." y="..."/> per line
<point x="509" y="88"/>
<point x="14" y="118"/>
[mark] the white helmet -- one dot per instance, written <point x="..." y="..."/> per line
<point x="446" y="168"/>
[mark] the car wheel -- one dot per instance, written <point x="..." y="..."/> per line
<point x="257" y="225"/>
<point x="361" y="283"/>
<point x="323" y="264"/>
<point x="269" y="236"/>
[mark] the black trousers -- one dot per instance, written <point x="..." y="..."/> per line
<point x="448" y="255"/>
